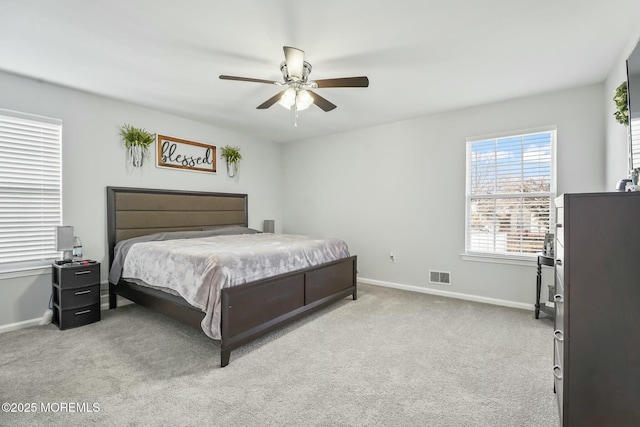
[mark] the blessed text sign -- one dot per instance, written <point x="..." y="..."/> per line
<point x="187" y="155"/>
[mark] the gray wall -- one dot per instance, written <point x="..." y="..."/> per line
<point x="617" y="145"/>
<point x="93" y="158"/>
<point x="401" y="188"/>
<point x="398" y="187"/>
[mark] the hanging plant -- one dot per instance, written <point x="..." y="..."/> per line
<point x="622" y="107"/>
<point x="232" y="156"/>
<point x="137" y="142"/>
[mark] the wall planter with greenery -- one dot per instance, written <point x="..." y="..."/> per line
<point x="137" y="142"/>
<point x="232" y="156"/>
<point x="622" y="107"/>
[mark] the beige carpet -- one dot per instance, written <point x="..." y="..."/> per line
<point x="391" y="358"/>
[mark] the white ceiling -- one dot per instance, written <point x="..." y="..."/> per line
<point x="421" y="56"/>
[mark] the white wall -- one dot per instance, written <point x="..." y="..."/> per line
<point x="93" y="158"/>
<point x="401" y="187"/>
<point x="396" y="187"/>
<point x="617" y="160"/>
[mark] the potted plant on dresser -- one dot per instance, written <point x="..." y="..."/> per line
<point x="137" y="142"/>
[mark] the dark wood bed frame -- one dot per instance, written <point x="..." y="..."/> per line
<point x="247" y="311"/>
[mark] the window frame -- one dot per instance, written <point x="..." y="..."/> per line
<point x="11" y="269"/>
<point x="498" y="257"/>
<point x="634" y="143"/>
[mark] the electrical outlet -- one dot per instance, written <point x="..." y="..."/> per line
<point x="392" y="257"/>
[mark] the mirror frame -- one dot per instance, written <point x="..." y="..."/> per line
<point x="633" y="100"/>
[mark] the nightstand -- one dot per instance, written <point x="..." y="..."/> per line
<point x="76" y="294"/>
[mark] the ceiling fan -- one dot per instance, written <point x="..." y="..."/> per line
<point x="299" y="96"/>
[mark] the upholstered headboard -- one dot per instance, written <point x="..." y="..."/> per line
<point x="133" y="212"/>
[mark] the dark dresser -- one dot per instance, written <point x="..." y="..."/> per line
<point x="76" y="294"/>
<point x="597" y="309"/>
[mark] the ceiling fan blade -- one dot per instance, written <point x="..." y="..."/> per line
<point x="362" y="81"/>
<point x="321" y="102"/>
<point x="248" y="79"/>
<point x="294" y="59"/>
<point x="269" y="102"/>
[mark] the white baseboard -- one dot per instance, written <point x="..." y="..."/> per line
<point x="104" y="305"/>
<point x="448" y="294"/>
<point x="104" y="301"/>
<point x="20" y="325"/>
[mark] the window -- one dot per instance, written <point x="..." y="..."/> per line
<point x="510" y="192"/>
<point x="30" y="189"/>
<point x="634" y="123"/>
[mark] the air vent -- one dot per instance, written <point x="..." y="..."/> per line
<point x="440" y="277"/>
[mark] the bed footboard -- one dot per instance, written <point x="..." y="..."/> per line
<point x="252" y="310"/>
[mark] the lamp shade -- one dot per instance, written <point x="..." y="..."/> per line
<point x="303" y="100"/>
<point x="64" y="238"/>
<point x="64" y="241"/>
<point x="288" y="98"/>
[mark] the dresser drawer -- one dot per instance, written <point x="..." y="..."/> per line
<point x="74" y="277"/>
<point x="558" y="383"/>
<point x="558" y="303"/>
<point x="559" y="285"/>
<point x="558" y="370"/>
<point x="560" y="225"/>
<point x="559" y="262"/>
<point x="73" y="317"/>
<point x="78" y="297"/>
<point x="558" y="345"/>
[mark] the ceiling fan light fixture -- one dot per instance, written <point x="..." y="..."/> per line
<point x="303" y="100"/>
<point x="299" y="93"/>
<point x="288" y="98"/>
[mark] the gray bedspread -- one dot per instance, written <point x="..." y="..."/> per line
<point x="122" y="247"/>
<point x="197" y="269"/>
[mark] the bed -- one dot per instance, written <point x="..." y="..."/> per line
<point x="247" y="311"/>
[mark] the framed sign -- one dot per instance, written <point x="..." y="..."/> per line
<point x="185" y="155"/>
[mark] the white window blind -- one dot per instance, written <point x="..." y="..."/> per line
<point x="30" y="189"/>
<point x="510" y="191"/>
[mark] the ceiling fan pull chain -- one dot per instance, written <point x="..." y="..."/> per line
<point x="295" y="114"/>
